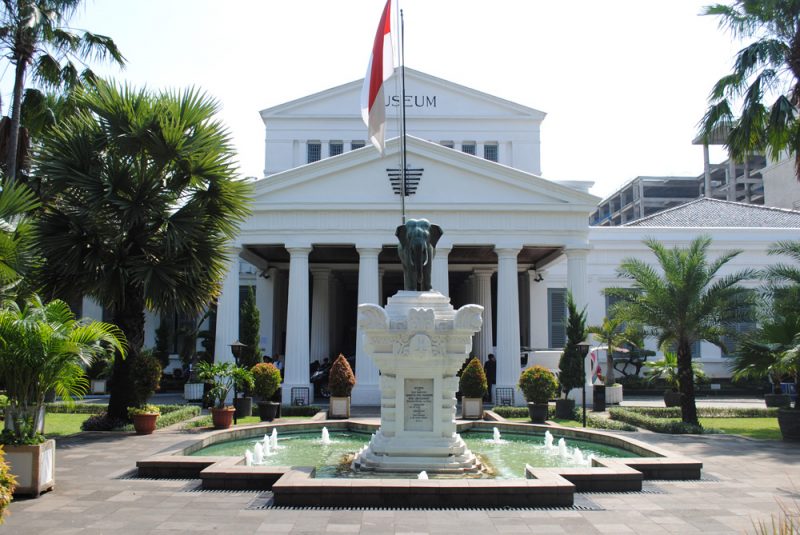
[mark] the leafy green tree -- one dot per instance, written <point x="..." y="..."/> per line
<point x="141" y="200"/>
<point x="571" y="362"/>
<point x="42" y="348"/>
<point x="759" y="352"/>
<point x="684" y="301"/>
<point x="765" y="78"/>
<point x="18" y="250"/>
<point x="614" y="333"/>
<point x="35" y="37"/>
<point x="249" y="330"/>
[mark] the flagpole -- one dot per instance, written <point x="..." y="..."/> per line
<point x="403" y="118"/>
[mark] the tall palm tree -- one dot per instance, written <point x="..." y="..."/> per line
<point x="684" y="301"/>
<point x="43" y="348"/>
<point x="765" y="77"/>
<point x="141" y="199"/>
<point x="34" y="35"/>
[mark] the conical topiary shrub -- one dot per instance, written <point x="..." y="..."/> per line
<point x="340" y="382"/>
<point x="473" y="387"/>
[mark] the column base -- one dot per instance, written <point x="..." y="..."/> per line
<point x="366" y="395"/>
<point x="286" y="392"/>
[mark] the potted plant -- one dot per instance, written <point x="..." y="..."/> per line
<point x="473" y="387"/>
<point x="614" y="333"/>
<point x="222" y="377"/>
<point x="340" y="383"/>
<point x="7" y="483"/>
<point x="789" y="418"/>
<point x="42" y="348"/>
<point x="570" y="364"/>
<point x="667" y="369"/>
<point x="144" y="418"/>
<point x="538" y="385"/>
<point x="267" y="379"/>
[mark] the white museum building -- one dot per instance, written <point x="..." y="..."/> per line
<point x="321" y="236"/>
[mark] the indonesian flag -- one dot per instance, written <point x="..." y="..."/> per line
<point x="380" y="68"/>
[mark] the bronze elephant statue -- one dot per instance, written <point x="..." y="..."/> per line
<point x="418" y="238"/>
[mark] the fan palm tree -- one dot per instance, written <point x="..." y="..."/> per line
<point x="141" y="200"/>
<point x="614" y="332"/>
<point x="17" y="240"/>
<point x="43" y="348"/>
<point x="683" y="302"/>
<point x="765" y="77"/>
<point x="34" y="35"/>
<point x="759" y="352"/>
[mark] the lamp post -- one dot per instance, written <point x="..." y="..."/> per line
<point x="583" y="347"/>
<point x="236" y="351"/>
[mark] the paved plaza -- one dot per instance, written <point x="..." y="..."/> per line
<point x="744" y="480"/>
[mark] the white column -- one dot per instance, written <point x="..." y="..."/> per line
<point x="320" y="318"/>
<point x="577" y="278"/>
<point x="524" y="308"/>
<point x="439" y="271"/>
<point x="296" y="359"/>
<point x="731" y="178"/>
<point x="265" y="302"/>
<point x="381" y="295"/>
<point x="534" y="309"/>
<point x="91" y="309"/>
<point x="706" y="173"/>
<point x="228" y="313"/>
<point x="508" y="364"/>
<point x="367" y="389"/>
<point x="483" y="288"/>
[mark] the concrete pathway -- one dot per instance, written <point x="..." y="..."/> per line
<point x="745" y="480"/>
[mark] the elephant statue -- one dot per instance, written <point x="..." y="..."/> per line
<point x="418" y="238"/>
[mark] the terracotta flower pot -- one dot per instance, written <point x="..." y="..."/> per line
<point x="145" y="424"/>
<point x="222" y="418"/>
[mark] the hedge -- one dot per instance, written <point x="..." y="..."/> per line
<point x="592" y="421"/>
<point x="658" y="425"/>
<point x="171" y="414"/>
<point x="707" y="412"/>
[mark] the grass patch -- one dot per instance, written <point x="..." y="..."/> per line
<point x="760" y="428"/>
<point x="62" y="424"/>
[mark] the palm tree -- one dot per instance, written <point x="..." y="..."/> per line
<point x="17" y="240"/>
<point x="767" y="68"/>
<point x="44" y="348"/>
<point x="685" y="301"/>
<point x="34" y="35"/>
<point x="759" y="352"/>
<point x="141" y="200"/>
<point x="614" y="332"/>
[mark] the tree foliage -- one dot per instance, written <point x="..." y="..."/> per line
<point x="685" y="300"/>
<point x="249" y="327"/>
<point x="472" y="382"/>
<point x="764" y="81"/>
<point x="141" y="199"/>
<point x="538" y="384"/>
<point x="571" y="362"/>
<point x="341" y="379"/>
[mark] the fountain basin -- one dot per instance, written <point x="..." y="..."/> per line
<point x="542" y="486"/>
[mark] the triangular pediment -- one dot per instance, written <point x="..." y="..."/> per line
<point x="360" y="179"/>
<point x="426" y="96"/>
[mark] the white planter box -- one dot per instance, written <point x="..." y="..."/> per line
<point x="193" y="391"/>
<point x="339" y="407"/>
<point x="33" y="466"/>
<point x="98" y="386"/>
<point x="614" y="395"/>
<point x="472" y="408"/>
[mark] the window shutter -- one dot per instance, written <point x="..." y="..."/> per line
<point x="557" y="316"/>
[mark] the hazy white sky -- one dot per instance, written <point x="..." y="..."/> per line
<point x="623" y="82"/>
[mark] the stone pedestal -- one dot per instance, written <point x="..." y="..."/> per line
<point x="418" y="342"/>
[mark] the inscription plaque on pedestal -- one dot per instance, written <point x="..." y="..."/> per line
<point x="418" y="413"/>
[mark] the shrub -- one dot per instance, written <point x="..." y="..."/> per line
<point x="7" y="483"/>
<point x="101" y="422"/>
<point x="267" y="380"/>
<point x="178" y="413"/>
<point x="592" y="421"/>
<point x="146" y="376"/>
<point x="707" y="412"/>
<point x="473" y="380"/>
<point x="658" y="425"/>
<point x="570" y="364"/>
<point x="341" y="380"/>
<point x="249" y="324"/>
<point x="222" y="377"/>
<point x="299" y="410"/>
<point x="3" y="402"/>
<point x="144" y="409"/>
<point x="538" y="384"/>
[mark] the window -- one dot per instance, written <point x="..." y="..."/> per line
<point x="448" y="144"/>
<point x="490" y="152"/>
<point x="557" y="317"/>
<point x="468" y="147"/>
<point x="356" y="145"/>
<point x="336" y="148"/>
<point x="314" y="151"/>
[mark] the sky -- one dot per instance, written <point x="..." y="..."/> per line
<point x="623" y="82"/>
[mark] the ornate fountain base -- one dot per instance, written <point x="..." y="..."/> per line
<point x="418" y="343"/>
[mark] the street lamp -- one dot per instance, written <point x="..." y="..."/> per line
<point x="583" y="348"/>
<point x="236" y="350"/>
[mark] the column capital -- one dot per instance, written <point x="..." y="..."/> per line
<point x="575" y="252"/>
<point x="320" y="272"/>
<point x="483" y="272"/>
<point x="443" y="249"/>
<point x="299" y="251"/>
<point x="368" y="251"/>
<point x="506" y="252"/>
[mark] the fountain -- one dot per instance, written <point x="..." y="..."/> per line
<point x="273" y="439"/>
<point x="422" y="475"/>
<point x="326" y="437"/>
<point x="548" y="441"/>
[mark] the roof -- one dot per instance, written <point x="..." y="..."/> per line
<point x="715" y="213"/>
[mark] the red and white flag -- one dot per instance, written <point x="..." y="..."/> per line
<point x="380" y="68"/>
